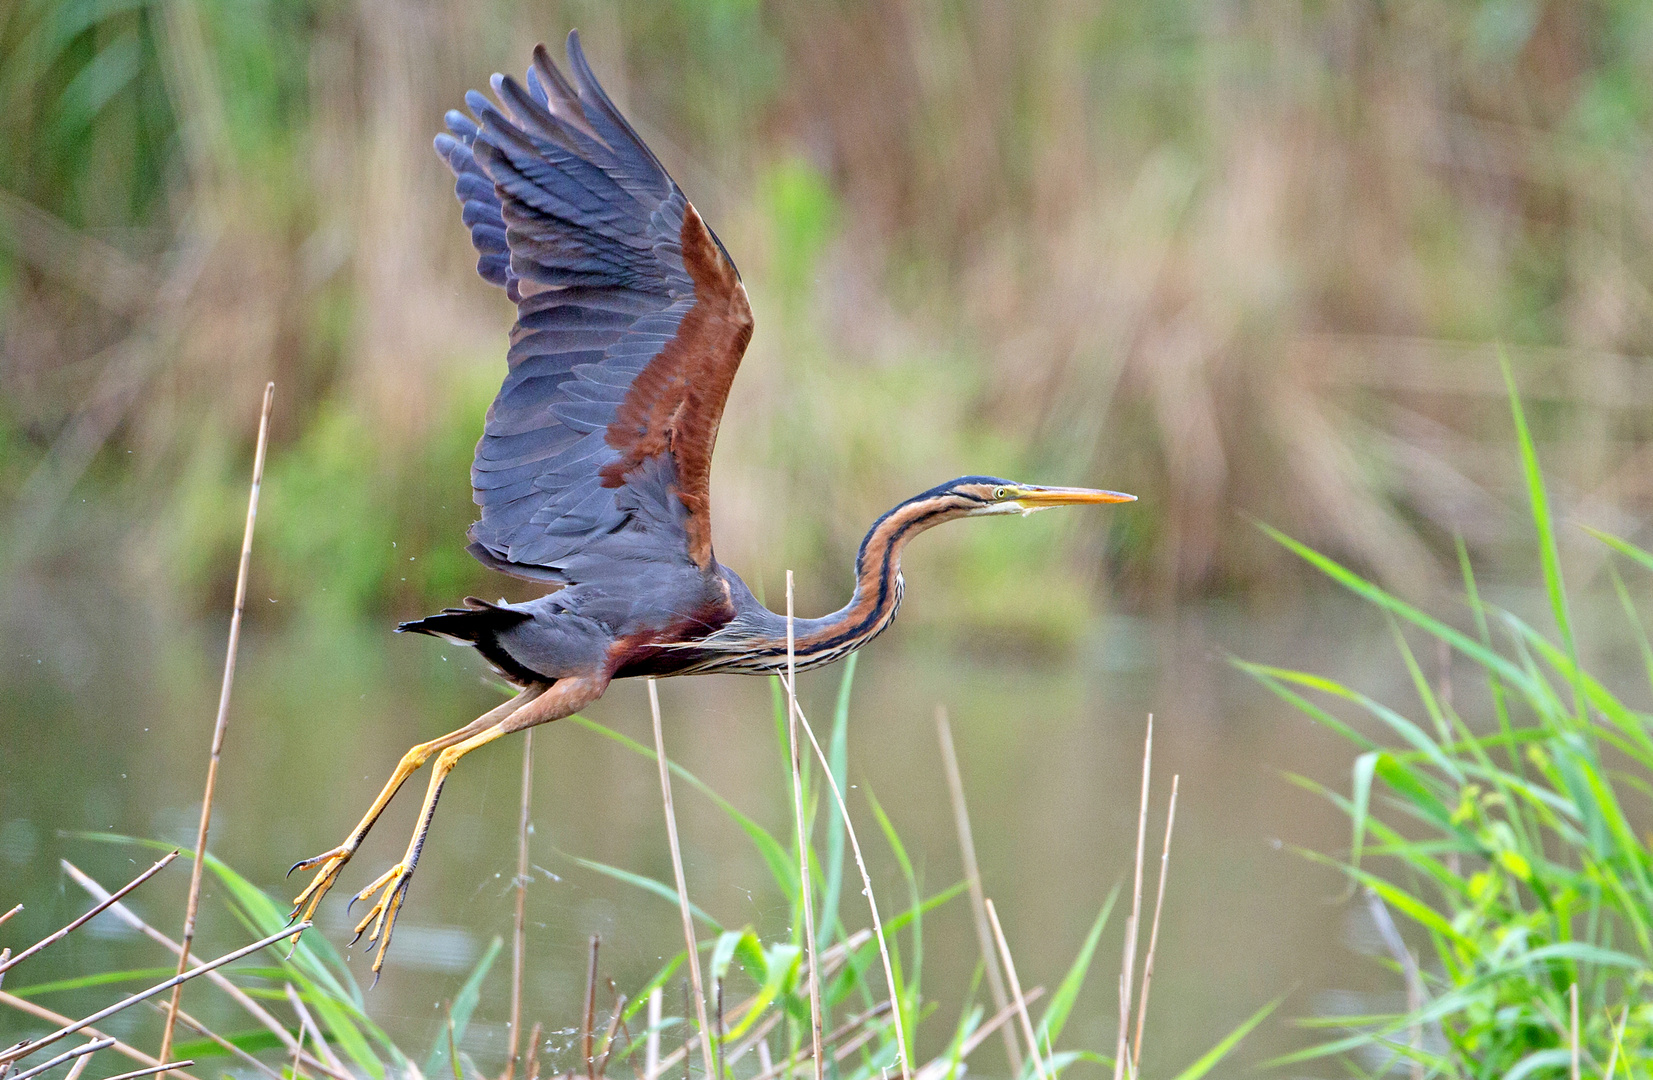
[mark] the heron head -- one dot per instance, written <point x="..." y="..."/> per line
<point x="980" y="496"/>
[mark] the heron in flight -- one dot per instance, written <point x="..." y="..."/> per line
<point x="592" y="471"/>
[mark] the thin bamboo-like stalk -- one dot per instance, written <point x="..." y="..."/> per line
<point x="831" y="960"/>
<point x="1153" y="934"/>
<point x="866" y="881"/>
<point x="221" y="723"/>
<point x="972" y="878"/>
<point x="1016" y="991"/>
<point x="803" y="838"/>
<point x="1572" y="994"/>
<point x="843" y="1031"/>
<point x="306" y="1020"/>
<point x="80" y="1066"/>
<point x="239" y="996"/>
<point x="151" y="1070"/>
<point x="682" y="887"/>
<point x="588" y="1022"/>
<point x="228" y="1047"/>
<point x="651" y="1040"/>
<point x="298" y="1051"/>
<point x="519" y="928"/>
<point x="19" y="1052"/>
<point x="612" y="1032"/>
<point x="942" y="1065"/>
<point x="57" y="936"/>
<point x="4" y="916"/>
<point x="90" y="1048"/>
<point x="534" y="1051"/>
<point x="40" y="1012"/>
<point x="1127" y="965"/>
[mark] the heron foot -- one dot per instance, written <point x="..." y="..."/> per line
<point x="331" y="862"/>
<point x="391" y="886"/>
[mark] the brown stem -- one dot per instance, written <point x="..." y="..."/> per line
<point x="221" y="723"/>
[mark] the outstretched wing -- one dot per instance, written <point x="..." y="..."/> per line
<point x="631" y="322"/>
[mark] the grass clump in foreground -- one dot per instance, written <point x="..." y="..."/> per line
<point x="1508" y="838"/>
<point x="303" y="1015"/>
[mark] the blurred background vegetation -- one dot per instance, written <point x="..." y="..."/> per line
<point x="1240" y="257"/>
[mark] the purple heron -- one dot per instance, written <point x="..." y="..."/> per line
<point x="593" y="467"/>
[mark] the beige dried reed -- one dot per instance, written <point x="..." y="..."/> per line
<point x="221" y="723"/>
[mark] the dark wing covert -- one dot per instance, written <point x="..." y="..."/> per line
<point x="631" y="323"/>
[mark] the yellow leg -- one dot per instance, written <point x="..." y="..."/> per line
<point x="332" y="861"/>
<point x="564" y="697"/>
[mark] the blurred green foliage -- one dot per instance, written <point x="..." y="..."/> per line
<point x="1225" y="259"/>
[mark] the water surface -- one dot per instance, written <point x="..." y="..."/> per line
<point x="104" y="723"/>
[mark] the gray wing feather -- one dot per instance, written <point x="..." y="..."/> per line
<point x="577" y="220"/>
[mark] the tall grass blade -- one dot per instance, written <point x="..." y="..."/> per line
<point x="461" y="1011"/>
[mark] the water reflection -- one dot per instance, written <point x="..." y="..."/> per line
<point x="104" y="722"/>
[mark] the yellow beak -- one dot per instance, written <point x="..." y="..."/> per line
<point x="1041" y="497"/>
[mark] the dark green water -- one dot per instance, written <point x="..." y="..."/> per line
<point x="104" y="725"/>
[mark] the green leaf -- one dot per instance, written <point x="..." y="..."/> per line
<point x="1543" y="524"/>
<point x="782" y="867"/>
<point x="1212" y="1056"/>
<point x="255" y="1041"/>
<point x="459" y="1014"/>
<point x="838" y="764"/>
<point x="101" y="978"/>
<point x="647" y="884"/>
<point x="1061" y="1004"/>
<point x="1471" y="648"/>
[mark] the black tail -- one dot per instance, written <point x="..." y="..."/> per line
<point x="479" y="625"/>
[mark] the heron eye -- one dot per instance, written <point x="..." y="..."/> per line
<point x="999" y="493"/>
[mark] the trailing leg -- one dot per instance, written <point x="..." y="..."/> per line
<point x="562" y="698"/>
<point x="333" y="860"/>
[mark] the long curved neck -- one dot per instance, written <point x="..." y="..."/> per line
<point x="878" y="588"/>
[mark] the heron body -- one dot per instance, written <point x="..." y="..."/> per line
<point x="593" y="470"/>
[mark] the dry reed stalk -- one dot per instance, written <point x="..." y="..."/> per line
<point x="90" y="1048"/>
<point x="221" y="723"/>
<point x="239" y="996"/>
<point x="10" y="913"/>
<point x="938" y="1068"/>
<point x="843" y="1031"/>
<point x="534" y="1051"/>
<point x="298" y="1052"/>
<point x="52" y="939"/>
<point x="613" y="1030"/>
<point x="689" y="943"/>
<point x="589" y="1020"/>
<point x="230" y="1048"/>
<point x="40" y="1012"/>
<point x="1128" y="963"/>
<point x="306" y="1020"/>
<point x="803" y="838"/>
<point x="831" y="961"/>
<point x="972" y="878"/>
<point x="651" y="1040"/>
<point x="1016" y="992"/>
<point x="151" y="1070"/>
<point x="866" y="878"/>
<point x="1572" y="994"/>
<point x="77" y="1068"/>
<point x="17" y="1053"/>
<point x="519" y="926"/>
<point x="1153" y="934"/>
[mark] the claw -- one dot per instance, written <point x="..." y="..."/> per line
<point x="391" y="886"/>
<point x="331" y="863"/>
